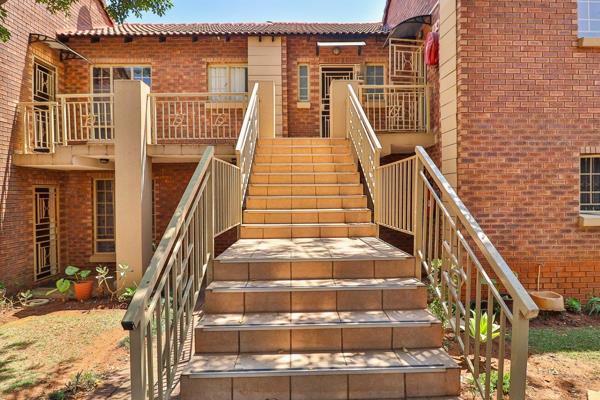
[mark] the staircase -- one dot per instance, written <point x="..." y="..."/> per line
<point x="309" y="303"/>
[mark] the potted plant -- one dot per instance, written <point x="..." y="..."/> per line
<point x="82" y="286"/>
<point x="62" y="286"/>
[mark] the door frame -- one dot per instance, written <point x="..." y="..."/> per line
<point x="54" y="194"/>
<point x="356" y="68"/>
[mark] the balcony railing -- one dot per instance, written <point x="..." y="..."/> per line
<point x="196" y="117"/>
<point x="396" y="108"/>
<point x="72" y="119"/>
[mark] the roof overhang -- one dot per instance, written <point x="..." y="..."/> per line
<point x="66" y="53"/>
<point x="409" y="28"/>
<point x="340" y="44"/>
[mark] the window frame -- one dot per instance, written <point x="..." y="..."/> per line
<point x="299" y="97"/>
<point x="111" y="75"/>
<point x="382" y="65"/>
<point x="588" y="33"/>
<point x="591" y="175"/>
<point x="95" y="216"/>
<point x="229" y="69"/>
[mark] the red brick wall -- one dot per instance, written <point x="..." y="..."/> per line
<point x="178" y="64"/>
<point x="400" y="10"/>
<point x="16" y="184"/>
<point x="527" y="106"/>
<point x="302" y="50"/>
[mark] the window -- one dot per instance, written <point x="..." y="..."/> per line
<point x="588" y="12"/>
<point x="227" y="79"/>
<point x="303" y="83"/>
<point x="104" y="216"/>
<point x="375" y="76"/>
<point x="103" y="77"/>
<point x="590" y="184"/>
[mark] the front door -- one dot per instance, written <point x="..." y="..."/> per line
<point x="45" y="232"/>
<point x="329" y="74"/>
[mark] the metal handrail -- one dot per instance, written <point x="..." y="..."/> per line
<point x="246" y="143"/>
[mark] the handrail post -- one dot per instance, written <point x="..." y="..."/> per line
<point x="137" y="363"/>
<point x="417" y="216"/>
<point x="51" y="127"/>
<point x="63" y="107"/>
<point x="519" y="352"/>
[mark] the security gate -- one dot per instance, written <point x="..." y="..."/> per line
<point x="329" y="74"/>
<point x="45" y="232"/>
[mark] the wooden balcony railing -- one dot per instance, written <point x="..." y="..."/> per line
<point x="397" y="108"/>
<point x="196" y="117"/>
<point x="72" y="119"/>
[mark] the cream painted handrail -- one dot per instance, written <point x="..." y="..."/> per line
<point x="159" y="318"/>
<point x="395" y="195"/>
<point x="246" y="144"/>
<point x="196" y="117"/>
<point x="397" y="108"/>
<point x="365" y="142"/>
<point x="444" y="231"/>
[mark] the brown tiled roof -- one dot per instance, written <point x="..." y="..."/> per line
<point x="266" y="28"/>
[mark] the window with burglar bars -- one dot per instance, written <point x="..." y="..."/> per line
<point x="590" y="184"/>
<point x="104" y="216"/>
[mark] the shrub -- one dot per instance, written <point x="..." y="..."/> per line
<point x="494" y="380"/>
<point x="593" y="306"/>
<point x="573" y="305"/>
<point x="485" y="324"/>
<point x="57" y="395"/>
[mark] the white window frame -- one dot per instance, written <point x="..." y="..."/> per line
<point x="95" y="213"/>
<point x="300" y="98"/>
<point x="229" y="68"/>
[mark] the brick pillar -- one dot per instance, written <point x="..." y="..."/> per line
<point x="133" y="179"/>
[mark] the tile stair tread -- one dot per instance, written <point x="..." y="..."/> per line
<point x="312" y="249"/>
<point x="321" y="363"/>
<point x="307" y="173"/>
<point x="305" y="210"/>
<point x="314" y="285"/>
<point x="334" y="196"/>
<point x="307" y="184"/>
<point x="311" y="320"/>
<point x="308" y="225"/>
<point x="306" y="163"/>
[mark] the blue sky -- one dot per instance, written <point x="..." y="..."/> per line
<point x="270" y="10"/>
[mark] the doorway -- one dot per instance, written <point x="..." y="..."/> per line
<point x="45" y="232"/>
<point x="329" y="74"/>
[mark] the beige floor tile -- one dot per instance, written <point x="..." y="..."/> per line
<point x="269" y="270"/>
<point x="353" y="269"/>
<point x="278" y="218"/>
<point x="224" y="302"/>
<point x="333" y="231"/>
<point x="273" y="232"/>
<point x="215" y="342"/>
<point x="306" y="218"/>
<point x="433" y="384"/>
<point x="375" y="386"/>
<point x="312" y="318"/>
<point x="267" y="302"/>
<point x="394" y="268"/>
<point x="313" y="301"/>
<point x="311" y="270"/>
<point x="332" y="387"/>
<point x="253" y="217"/>
<point x="261" y="388"/>
<point x="247" y="232"/>
<point x="316" y="340"/>
<point x="246" y="362"/>
<point x="303" y="190"/>
<point x="304" y="202"/>
<point x="418" y="337"/>
<point x="211" y="389"/>
<point x="362" y="230"/>
<point x="367" y="338"/>
<point x="305" y="231"/>
<point x="258" y="341"/>
<point x="230" y="271"/>
<point x="280" y="190"/>
<point x="404" y="299"/>
<point x="325" y="217"/>
<point x="349" y="300"/>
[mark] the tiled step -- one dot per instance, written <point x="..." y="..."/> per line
<point x="316" y="331"/>
<point x="304" y="167"/>
<point x="305" y="202"/>
<point x="302" y="149"/>
<point x="322" y="375"/>
<point x="303" y="158"/>
<point x="300" y="230"/>
<point x="307" y="216"/>
<point x="299" y="177"/>
<point x="306" y="189"/>
<point x="303" y="141"/>
<point x="315" y="295"/>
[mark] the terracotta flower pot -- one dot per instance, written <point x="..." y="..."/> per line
<point x="83" y="290"/>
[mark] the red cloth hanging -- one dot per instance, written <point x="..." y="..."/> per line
<point x="432" y="49"/>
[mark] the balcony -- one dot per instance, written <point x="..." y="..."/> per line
<point x="77" y="130"/>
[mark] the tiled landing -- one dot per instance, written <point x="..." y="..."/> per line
<point x="313" y="249"/>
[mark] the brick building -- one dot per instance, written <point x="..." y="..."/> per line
<point x="510" y="119"/>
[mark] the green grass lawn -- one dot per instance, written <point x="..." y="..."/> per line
<point x="579" y="343"/>
<point x="44" y="349"/>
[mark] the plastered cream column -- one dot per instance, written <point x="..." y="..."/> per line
<point x="133" y="179"/>
<point x="267" y="120"/>
<point x="338" y="95"/>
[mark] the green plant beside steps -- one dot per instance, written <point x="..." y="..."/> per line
<point x="573" y="305"/>
<point x="78" y="275"/>
<point x="593" y="306"/>
<point x="62" y="286"/>
<point x="485" y="324"/>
